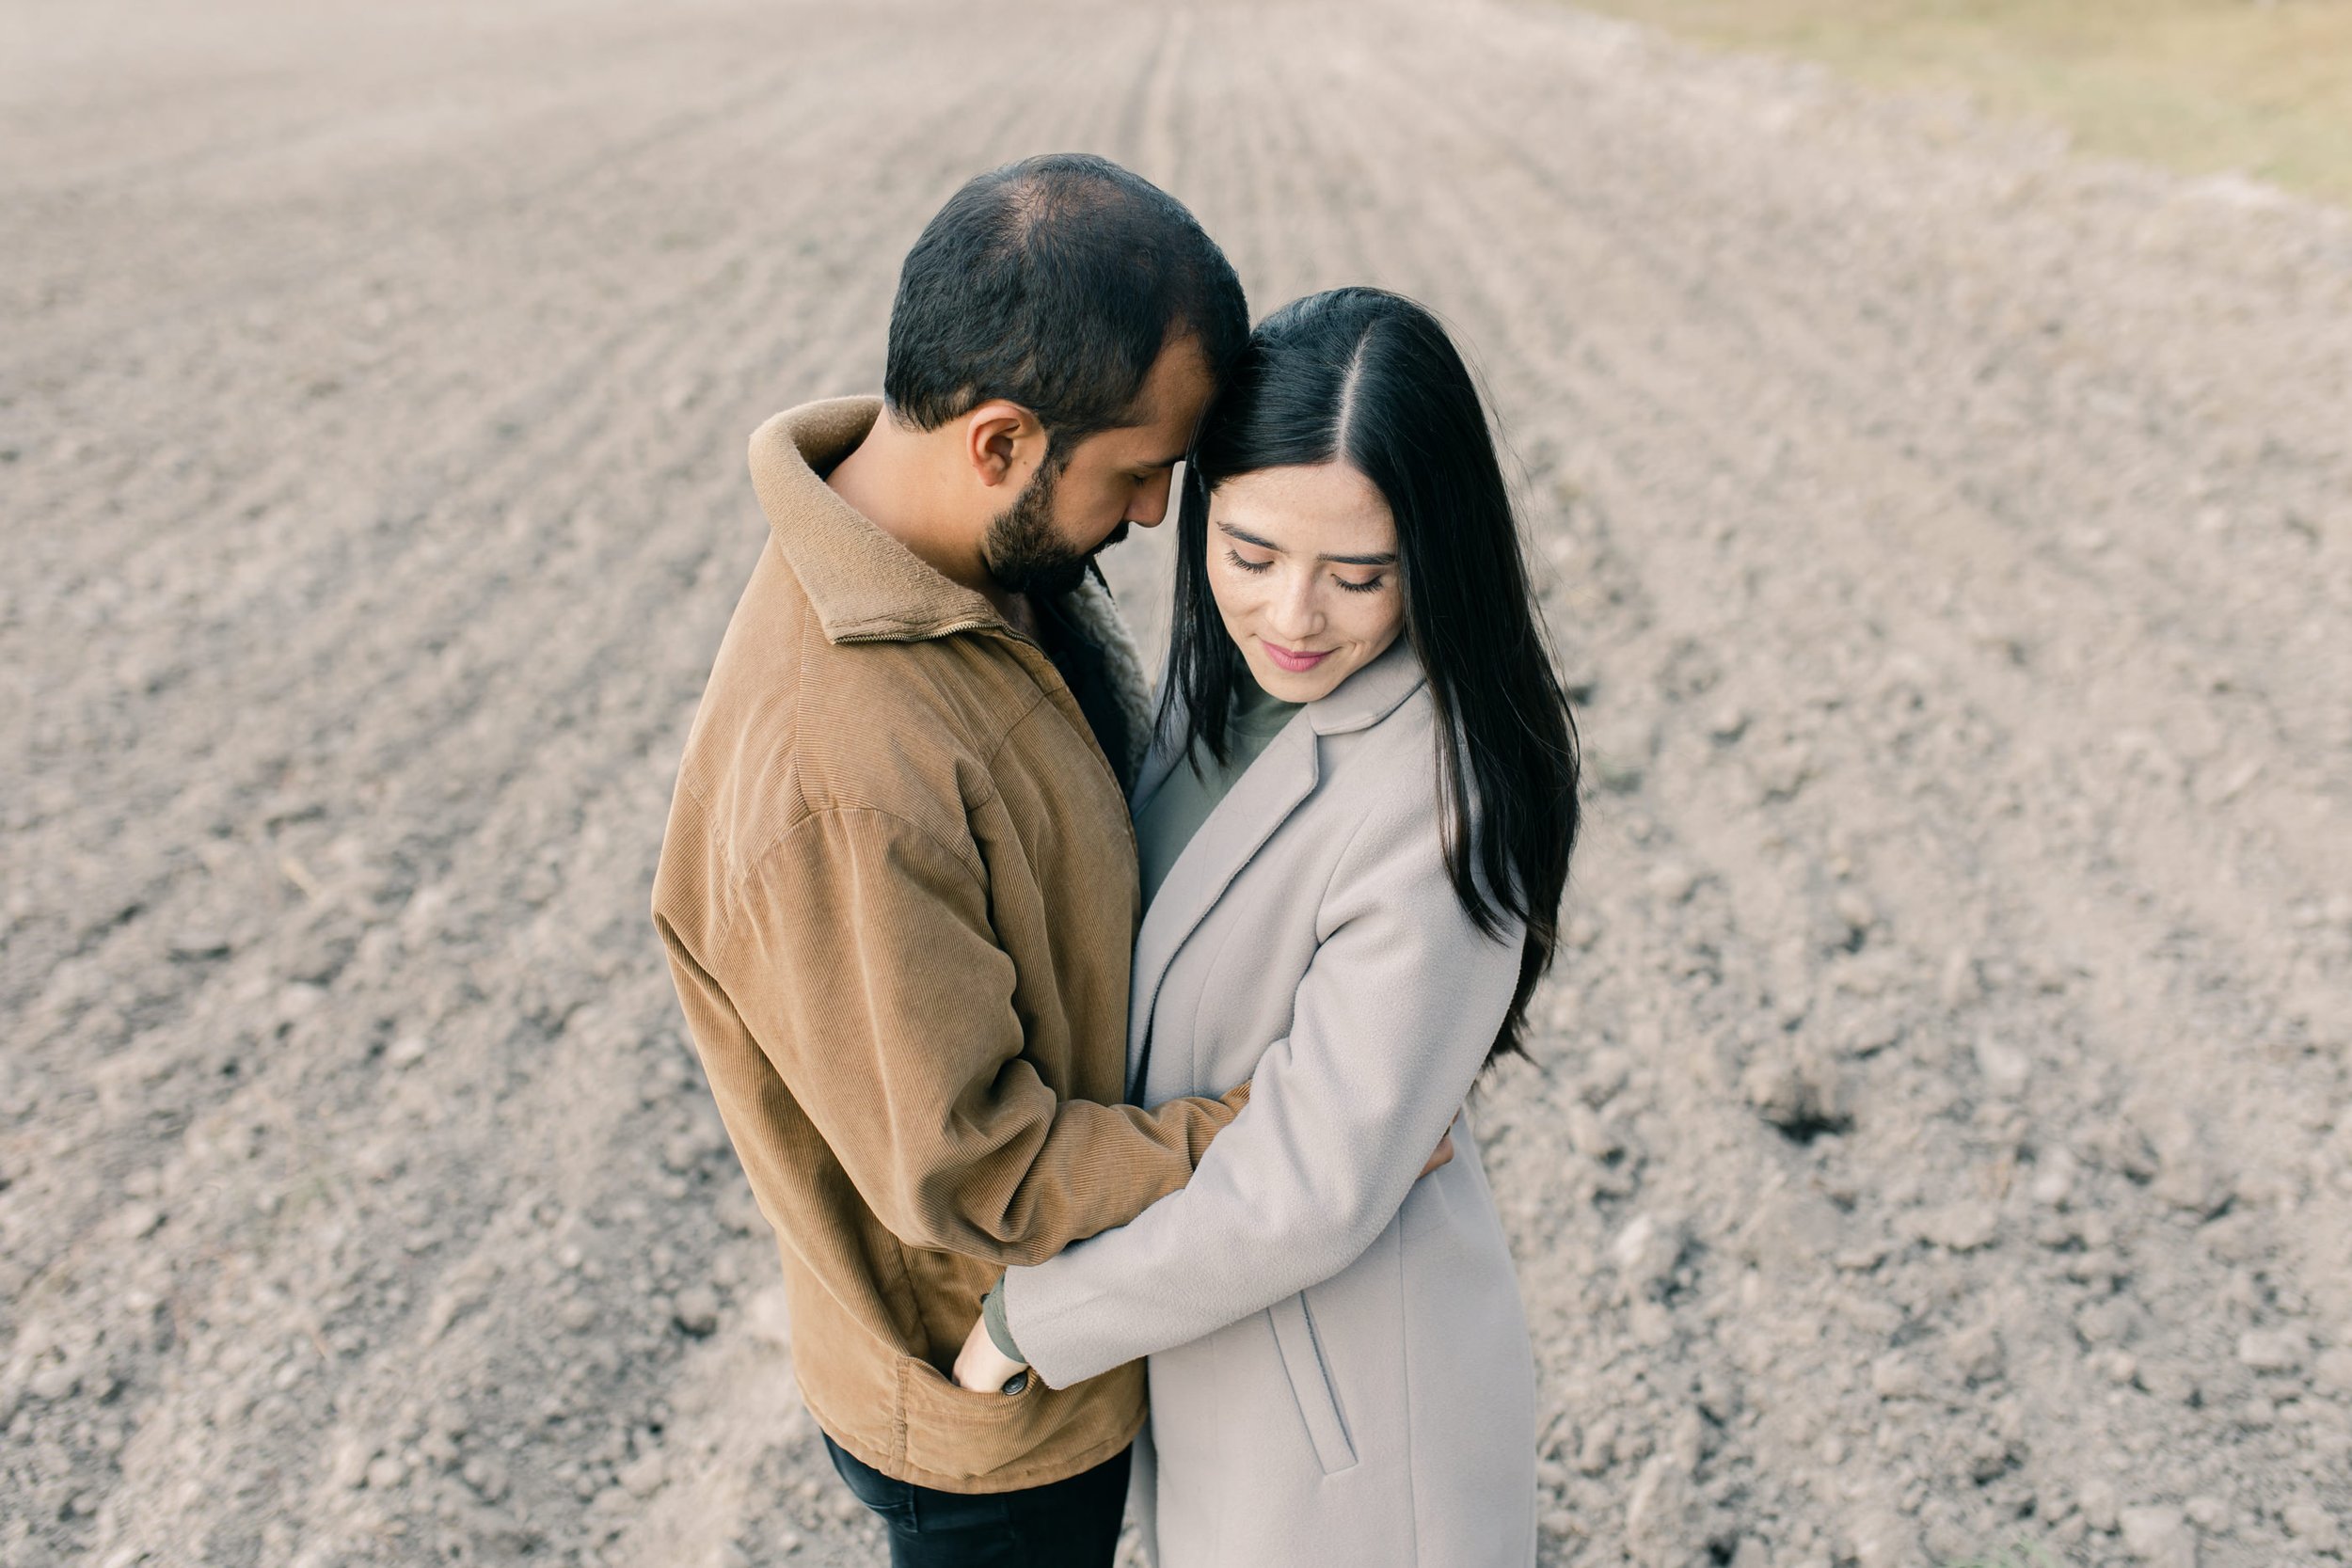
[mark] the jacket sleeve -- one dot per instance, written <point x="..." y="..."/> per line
<point x="1391" y="1023"/>
<point x="863" y="962"/>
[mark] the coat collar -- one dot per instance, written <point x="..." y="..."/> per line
<point x="863" y="585"/>
<point x="1372" y="693"/>
<point x="1358" y="703"/>
<point x="1260" y="801"/>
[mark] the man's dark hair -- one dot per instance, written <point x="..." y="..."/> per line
<point x="1054" y="284"/>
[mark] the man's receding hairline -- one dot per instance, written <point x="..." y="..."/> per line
<point x="1180" y="332"/>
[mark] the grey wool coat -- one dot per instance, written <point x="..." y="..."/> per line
<point x="1339" y="1369"/>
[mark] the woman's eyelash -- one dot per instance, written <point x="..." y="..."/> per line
<point x="1373" y="587"/>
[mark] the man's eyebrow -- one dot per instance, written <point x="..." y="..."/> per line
<point x="1385" y="559"/>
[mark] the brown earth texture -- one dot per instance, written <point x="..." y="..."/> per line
<point x="1936" y="1147"/>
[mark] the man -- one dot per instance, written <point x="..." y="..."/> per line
<point x="897" y="891"/>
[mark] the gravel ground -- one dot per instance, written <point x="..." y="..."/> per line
<point x="1937" y="1148"/>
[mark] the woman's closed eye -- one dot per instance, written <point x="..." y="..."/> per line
<point x="1372" y="585"/>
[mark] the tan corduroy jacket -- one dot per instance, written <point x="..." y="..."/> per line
<point x="899" y="898"/>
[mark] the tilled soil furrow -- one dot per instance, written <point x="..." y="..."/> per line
<point x="1902" y="373"/>
<point x="2012" y="694"/>
<point x="2166" y="840"/>
<point x="1728" y="851"/>
<point x="402" y="593"/>
<point x="286" y="246"/>
<point x="642" y="588"/>
<point x="1934" y="1138"/>
<point x="464" y="771"/>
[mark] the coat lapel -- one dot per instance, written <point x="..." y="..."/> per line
<point x="1261" y="800"/>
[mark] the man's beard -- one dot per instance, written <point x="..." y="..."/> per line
<point x="1024" y="553"/>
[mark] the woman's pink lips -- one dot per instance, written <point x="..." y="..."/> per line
<point x="1295" y="663"/>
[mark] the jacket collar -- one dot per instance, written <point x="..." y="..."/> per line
<point x="863" y="585"/>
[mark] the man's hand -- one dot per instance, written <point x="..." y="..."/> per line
<point x="1444" y="1152"/>
<point x="981" y="1367"/>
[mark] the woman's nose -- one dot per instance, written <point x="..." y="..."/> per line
<point x="1298" y="612"/>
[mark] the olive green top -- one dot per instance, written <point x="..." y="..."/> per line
<point x="1166" y="825"/>
<point x="1192" y="790"/>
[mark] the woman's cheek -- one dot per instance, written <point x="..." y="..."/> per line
<point x="1384" y="617"/>
<point x="1237" y="591"/>
<point x="1231" y="597"/>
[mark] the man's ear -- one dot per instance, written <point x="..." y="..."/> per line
<point x="1002" y="442"/>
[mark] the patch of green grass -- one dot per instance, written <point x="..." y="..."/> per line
<point x="2261" y="86"/>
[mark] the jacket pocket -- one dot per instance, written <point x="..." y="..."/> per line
<point x="1309" y="1377"/>
<point x="958" y="1432"/>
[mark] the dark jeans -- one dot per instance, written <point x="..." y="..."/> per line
<point x="1063" y="1524"/>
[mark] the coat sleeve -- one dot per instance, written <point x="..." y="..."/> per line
<point x="864" y="963"/>
<point x="1391" y="1025"/>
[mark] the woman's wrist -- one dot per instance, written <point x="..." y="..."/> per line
<point x="999" y="1331"/>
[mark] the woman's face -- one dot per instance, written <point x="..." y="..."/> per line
<point x="1303" y="564"/>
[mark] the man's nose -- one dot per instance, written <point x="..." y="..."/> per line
<point x="1150" y="507"/>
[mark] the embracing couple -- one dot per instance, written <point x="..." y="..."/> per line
<point x="1081" y="1048"/>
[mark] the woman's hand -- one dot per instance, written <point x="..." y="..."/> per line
<point x="981" y="1367"/>
<point x="985" y="1370"/>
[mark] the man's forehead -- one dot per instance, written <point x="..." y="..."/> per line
<point x="1155" y="444"/>
<point x="1174" y="393"/>
<point x="1179" y="380"/>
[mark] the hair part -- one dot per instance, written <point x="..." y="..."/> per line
<point x="1371" y="379"/>
<point x="1056" y="283"/>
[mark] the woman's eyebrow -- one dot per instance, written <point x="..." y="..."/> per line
<point x="1385" y="559"/>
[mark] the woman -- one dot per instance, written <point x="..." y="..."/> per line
<point x="1355" y="831"/>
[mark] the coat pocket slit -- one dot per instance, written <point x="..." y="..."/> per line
<point x="1311" y="1383"/>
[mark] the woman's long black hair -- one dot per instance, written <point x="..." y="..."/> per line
<point x="1369" y="378"/>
